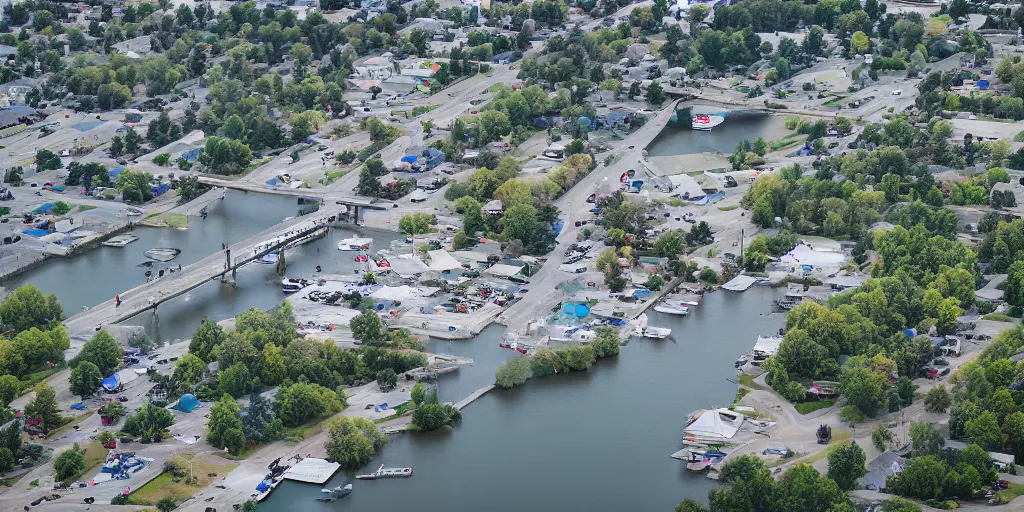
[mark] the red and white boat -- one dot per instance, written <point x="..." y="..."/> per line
<point x="705" y="122"/>
<point x="522" y="348"/>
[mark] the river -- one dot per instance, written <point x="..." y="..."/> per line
<point x="96" y="275"/>
<point x="674" y="141"/>
<point x="598" y="440"/>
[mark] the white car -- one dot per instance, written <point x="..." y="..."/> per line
<point x="897" y="92"/>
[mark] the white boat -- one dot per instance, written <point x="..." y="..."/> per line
<point x="355" y="244"/>
<point x="705" y="122"/>
<point x="162" y="254"/>
<point x="270" y="258"/>
<point x="134" y="212"/>
<point x="333" y="494"/>
<point x="384" y="472"/>
<point x="120" y="240"/>
<point x="289" y="285"/>
<point x="672" y="309"/>
<point x="657" y="333"/>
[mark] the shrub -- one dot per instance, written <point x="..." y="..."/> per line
<point x="851" y="414"/>
<point x="937" y="399"/>
<point x="514" y="372"/>
<point x="162" y="159"/>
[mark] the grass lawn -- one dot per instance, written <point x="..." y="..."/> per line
<point x="999" y="317"/>
<point x="95" y="454"/>
<point x="1005" y="495"/>
<point x="809" y="407"/>
<point x="176" y="220"/>
<point x="740" y="393"/>
<point x="331" y="176"/>
<point x="728" y="208"/>
<point x="837" y="435"/>
<point x="1019" y="137"/>
<point x="164" y="486"/>
<point x="748" y="381"/>
<point x="309" y="428"/>
<point x="75" y="420"/>
<point x="85" y="207"/>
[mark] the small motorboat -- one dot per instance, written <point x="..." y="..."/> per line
<point x="522" y="348"/>
<point x="332" y="494"/>
<point x="162" y="253"/>
<point x="355" y="244"/>
<point x="672" y="309"/>
<point x="657" y="333"/>
<point x="362" y="258"/>
<point x="134" y="212"/>
<point x="270" y="258"/>
<point x="289" y="285"/>
<point x="120" y="240"/>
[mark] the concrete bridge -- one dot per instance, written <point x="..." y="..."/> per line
<point x="216" y="266"/>
<point x="355" y="205"/>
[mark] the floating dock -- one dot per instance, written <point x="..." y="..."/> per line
<point x="312" y="470"/>
<point x="383" y="472"/>
<point x="120" y="240"/>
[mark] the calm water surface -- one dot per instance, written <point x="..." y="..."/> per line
<point x="723" y="139"/>
<point x="598" y="440"/>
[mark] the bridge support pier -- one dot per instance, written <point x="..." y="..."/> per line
<point x="355" y="215"/>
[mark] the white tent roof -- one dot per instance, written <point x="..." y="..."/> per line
<point x="500" y="269"/>
<point x="441" y="260"/>
<point x="715" y="423"/>
<point x="767" y="344"/>
<point x="407" y="265"/>
<point x="403" y="292"/>
<point x="804" y="255"/>
<point x="418" y="195"/>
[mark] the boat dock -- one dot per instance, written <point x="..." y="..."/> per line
<point x="431" y="372"/>
<point x="473" y="396"/>
<point x="383" y="472"/>
<point x="120" y="240"/>
<point x="312" y="470"/>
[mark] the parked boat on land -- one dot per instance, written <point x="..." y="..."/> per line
<point x="333" y="494"/>
<point x="645" y="331"/>
<point x="270" y="258"/>
<point x="384" y="472"/>
<point x="355" y="244"/>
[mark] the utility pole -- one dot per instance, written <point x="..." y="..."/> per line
<point x="741" y="246"/>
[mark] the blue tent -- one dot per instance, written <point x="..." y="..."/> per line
<point x="46" y="208"/>
<point x="36" y="232"/>
<point x="187" y="403"/>
<point x="582" y="310"/>
<point x="112" y="383"/>
<point x="409" y="158"/>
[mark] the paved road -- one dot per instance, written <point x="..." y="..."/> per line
<point x="573" y="206"/>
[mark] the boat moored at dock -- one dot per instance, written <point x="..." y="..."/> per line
<point x="333" y="494"/>
<point x="672" y="309"/>
<point x="355" y="244"/>
<point x="383" y="472"/>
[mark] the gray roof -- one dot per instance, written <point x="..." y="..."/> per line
<point x="883" y="466"/>
<point x="10" y="115"/>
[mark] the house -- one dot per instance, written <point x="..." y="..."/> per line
<point x="493" y="207"/>
<point x="507" y="57"/>
<point x="421" y="69"/>
<point x="375" y="68"/>
<point x="885" y="465"/>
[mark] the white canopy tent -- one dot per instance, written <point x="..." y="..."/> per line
<point x="441" y="260"/>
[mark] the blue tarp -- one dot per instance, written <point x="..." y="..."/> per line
<point x="46" y="208"/>
<point x="187" y="403"/>
<point x="709" y="198"/>
<point x="111" y="383"/>
<point x="910" y="332"/>
<point x="409" y="158"/>
<point x="87" y="125"/>
<point x="271" y="182"/>
<point x="115" y="171"/>
<point x="641" y="293"/>
<point x="192" y="155"/>
<point x="983" y="85"/>
<point x="263" y="486"/>
<point x="558" y="227"/>
<point x="36" y="232"/>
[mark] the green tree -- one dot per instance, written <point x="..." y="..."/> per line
<point x="418" y="393"/>
<point x="10" y="388"/>
<point x="222" y="156"/>
<point x="300" y="402"/>
<point x="493" y="125"/>
<point x="897" y="504"/>
<point x="984" y="430"/>
<point x="655" y="94"/>
<point x="689" y="505"/>
<point x="670" y="244"/>
<point x="44" y="407"/>
<point x="859" y="42"/>
<point x="85" y="379"/>
<point x="27" y="307"/>
<point x="225" y="415"/>
<point x="937" y="400"/>
<point x="368" y="328"/>
<point x="862" y="387"/>
<point x="415" y="223"/>
<point x="514" y="372"/>
<point x="926" y="439"/>
<point x="148" y="421"/>
<point x="387" y="379"/>
<point x="189" y="370"/>
<point x="103" y="351"/>
<point x="235" y="380"/>
<point x="846" y="463"/>
<point x="69" y="463"/>
<point x="352" y="441"/>
<point x="432" y="416"/>
<point x="607" y="343"/>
